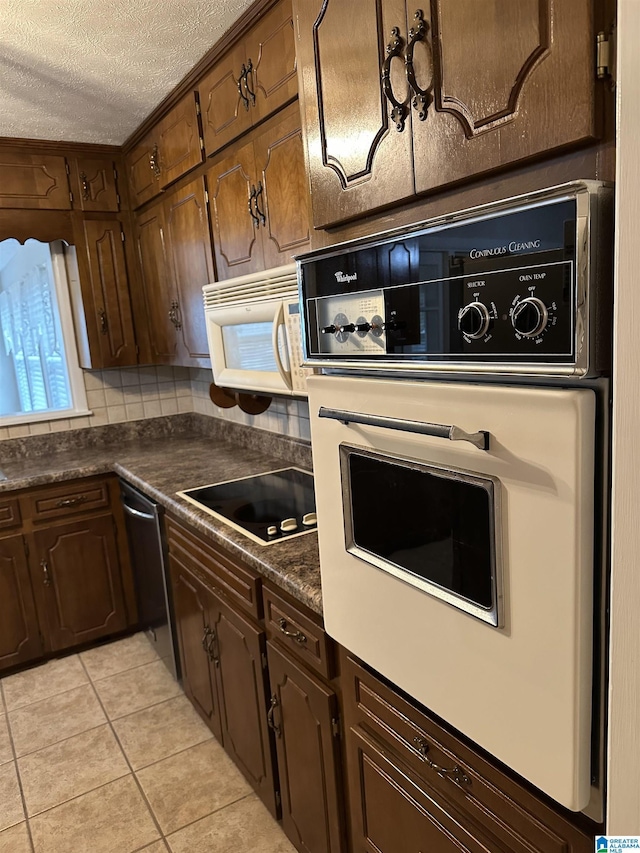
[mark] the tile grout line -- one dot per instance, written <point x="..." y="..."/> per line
<point x="126" y="758"/>
<point x="19" y="778"/>
<point x="120" y="672"/>
<point x="251" y="793"/>
<point x="44" y="699"/>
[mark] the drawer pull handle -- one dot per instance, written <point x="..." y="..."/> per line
<point x="298" y="636"/>
<point x="63" y="503"/>
<point x="270" y="721"/>
<point x="46" y="577"/>
<point x="455" y="773"/>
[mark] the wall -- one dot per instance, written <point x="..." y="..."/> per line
<point x="623" y="799"/>
<point x="135" y="393"/>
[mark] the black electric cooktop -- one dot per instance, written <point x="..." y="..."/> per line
<point x="266" y="507"/>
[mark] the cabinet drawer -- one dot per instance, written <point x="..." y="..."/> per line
<point x="458" y="775"/>
<point x="68" y="499"/>
<point x="9" y="513"/>
<point x="298" y="632"/>
<point x="215" y="569"/>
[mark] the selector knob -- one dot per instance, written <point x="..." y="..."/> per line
<point x="329" y="330"/>
<point x="529" y="317"/>
<point x="473" y="320"/>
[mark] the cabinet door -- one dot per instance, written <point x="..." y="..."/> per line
<point x="19" y="634"/>
<point x="358" y="161"/>
<point x="191" y="601"/>
<point x="110" y="294"/>
<point x="159" y="295"/>
<point x="143" y="167"/>
<point x="96" y="185"/>
<point x="271" y="49"/>
<point x="34" y="180"/>
<point x="511" y="80"/>
<point x="305" y="718"/>
<point x="77" y="577"/>
<point x="178" y="138"/>
<point x="391" y="813"/>
<point x="189" y="245"/>
<point x="239" y="650"/>
<point x="236" y="240"/>
<point x="285" y="198"/>
<point x="225" y="114"/>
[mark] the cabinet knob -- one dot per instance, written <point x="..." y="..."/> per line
<point x="46" y="577"/>
<point x="65" y="503"/>
<point x="104" y="325"/>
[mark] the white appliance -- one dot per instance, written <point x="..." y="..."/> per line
<point x="464" y="574"/>
<point x="253" y="328"/>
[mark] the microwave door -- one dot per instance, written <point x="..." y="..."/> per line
<point x="243" y="341"/>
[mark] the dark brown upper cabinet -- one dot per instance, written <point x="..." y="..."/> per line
<point x="34" y="180"/>
<point x="95" y="185"/>
<point x="253" y="79"/>
<point x="401" y="99"/>
<point x="259" y="199"/>
<point x="174" y="247"/>
<point x="166" y="153"/>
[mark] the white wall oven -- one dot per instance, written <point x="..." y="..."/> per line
<point x="459" y="434"/>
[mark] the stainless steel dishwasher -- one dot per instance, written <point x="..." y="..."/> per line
<point x="148" y="557"/>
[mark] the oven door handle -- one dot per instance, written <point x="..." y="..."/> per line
<point x="479" y="439"/>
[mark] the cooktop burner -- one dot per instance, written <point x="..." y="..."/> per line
<point x="266" y="507"/>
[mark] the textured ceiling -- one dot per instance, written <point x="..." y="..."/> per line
<point x="90" y="70"/>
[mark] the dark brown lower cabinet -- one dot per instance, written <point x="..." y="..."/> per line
<point x="192" y="601"/>
<point x="19" y="632"/>
<point x="223" y="658"/>
<point x="304" y="716"/>
<point x="76" y="573"/>
<point x="415" y="787"/>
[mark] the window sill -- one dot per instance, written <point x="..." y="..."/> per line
<point x="39" y="417"/>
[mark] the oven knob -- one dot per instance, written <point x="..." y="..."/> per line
<point x="272" y="530"/>
<point x="529" y="317"/>
<point x="329" y="330"/>
<point x="288" y="525"/>
<point x="309" y="519"/>
<point x="362" y="327"/>
<point x="473" y="320"/>
<point x="348" y="327"/>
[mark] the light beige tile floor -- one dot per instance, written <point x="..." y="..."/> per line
<point x="102" y="753"/>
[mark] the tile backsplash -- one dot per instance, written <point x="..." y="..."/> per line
<point x="136" y="393"/>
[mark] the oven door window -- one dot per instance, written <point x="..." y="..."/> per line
<point x="430" y="526"/>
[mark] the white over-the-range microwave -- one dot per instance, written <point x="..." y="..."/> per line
<point x="253" y="328"/>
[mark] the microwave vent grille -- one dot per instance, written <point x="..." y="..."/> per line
<point x="280" y="283"/>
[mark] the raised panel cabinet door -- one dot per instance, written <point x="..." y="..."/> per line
<point x="178" y="139"/>
<point x="284" y="199"/>
<point x="96" y="185"/>
<point x="110" y="293"/>
<point x="391" y="813"/>
<point x="239" y="647"/>
<point x="189" y="244"/>
<point x="237" y="242"/>
<point x="19" y="633"/>
<point x="192" y="601"/>
<point x="143" y="169"/>
<point x="224" y="102"/>
<point x="76" y="572"/>
<point x="157" y="286"/>
<point x="358" y="159"/>
<point x="37" y="181"/>
<point x="510" y="81"/>
<point x="304" y="713"/>
<point x="271" y="50"/>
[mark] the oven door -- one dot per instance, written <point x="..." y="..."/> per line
<point x="456" y="527"/>
<point x="248" y="347"/>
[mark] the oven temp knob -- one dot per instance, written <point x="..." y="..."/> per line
<point x="530" y="317"/>
<point x="473" y="320"/>
<point x="288" y="525"/>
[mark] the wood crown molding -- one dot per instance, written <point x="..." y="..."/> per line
<point x="86" y="149"/>
<point x="202" y="67"/>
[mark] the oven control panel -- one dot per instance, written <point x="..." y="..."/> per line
<point x="507" y="287"/>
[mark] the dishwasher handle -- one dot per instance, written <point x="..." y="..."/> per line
<point x="479" y="439"/>
<point x="136" y="512"/>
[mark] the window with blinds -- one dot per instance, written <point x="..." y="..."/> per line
<point x="34" y="358"/>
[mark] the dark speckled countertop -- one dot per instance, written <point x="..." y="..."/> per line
<point x="167" y="455"/>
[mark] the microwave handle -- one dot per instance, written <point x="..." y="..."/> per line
<point x="453" y="433"/>
<point x="278" y="321"/>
